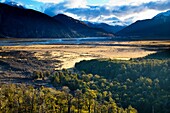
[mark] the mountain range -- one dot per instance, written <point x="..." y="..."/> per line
<point x="158" y="26"/>
<point x="19" y="22"/>
<point x="106" y="27"/>
<point x="79" y="27"/>
<point x="25" y="23"/>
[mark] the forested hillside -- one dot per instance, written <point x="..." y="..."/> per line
<point x="143" y="83"/>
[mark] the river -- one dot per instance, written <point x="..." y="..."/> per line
<point x="21" y="41"/>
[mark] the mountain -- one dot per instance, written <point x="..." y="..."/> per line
<point x="163" y="14"/>
<point x="158" y="26"/>
<point x="81" y="28"/>
<point x="26" y="23"/>
<point x="106" y="27"/>
<point x="19" y="22"/>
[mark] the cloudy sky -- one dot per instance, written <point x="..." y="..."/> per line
<point x="113" y="12"/>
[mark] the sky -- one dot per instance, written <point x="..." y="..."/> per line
<point x="113" y="12"/>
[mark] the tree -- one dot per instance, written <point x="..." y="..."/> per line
<point x="69" y="98"/>
<point x="91" y="96"/>
<point x="79" y="98"/>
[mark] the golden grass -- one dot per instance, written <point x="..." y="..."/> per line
<point x="70" y="54"/>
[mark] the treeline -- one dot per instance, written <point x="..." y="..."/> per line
<point x="26" y="99"/>
<point x="142" y="83"/>
<point x="132" y="69"/>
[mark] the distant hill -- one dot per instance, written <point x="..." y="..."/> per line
<point x="106" y="27"/>
<point x="18" y="22"/>
<point x="158" y="26"/>
<point x="81" y="28"/>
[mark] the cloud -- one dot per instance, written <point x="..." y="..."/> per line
<point x="66" y="3"/>
<point x="54" y="9"/>
<point x="90" y="12"/>
<point x="2" y="1"/>
<point x="132" y="13"/>
<point x="49" y="1"/>
<point x="76" y="3"/>
<point x="126" y="10"/>
<point x="164" y="5"/>
<point x="130" y="2"/>
<point x="109" y="13"/>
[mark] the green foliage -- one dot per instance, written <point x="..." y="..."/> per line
<point x="40" y="74"/>
<point x="26" y="99"/>
<point x="142" y="83"/>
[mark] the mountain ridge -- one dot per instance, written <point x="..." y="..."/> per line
<point x="27" y="23"/>
<point x="106" y="27"/>
<point x="158" y="26"/>
<point x="81" y="27"/>
<point x="19" y="22"/>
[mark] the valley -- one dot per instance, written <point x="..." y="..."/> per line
<point x="72" y="56"/>
<point x="111" y="75"/>
<point x="20" y="61"/>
